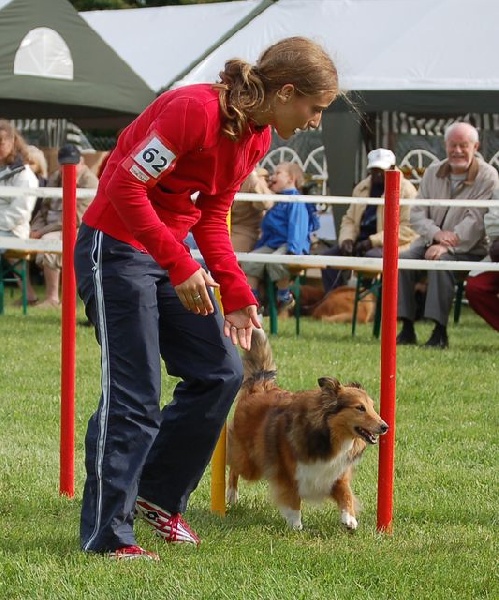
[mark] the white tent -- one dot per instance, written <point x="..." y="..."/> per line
<point x="159" y="43"/>
<point x="381" y="47"/>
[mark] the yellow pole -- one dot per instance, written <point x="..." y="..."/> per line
<point x="219" y="454"/>
<point x="218" y="475"/>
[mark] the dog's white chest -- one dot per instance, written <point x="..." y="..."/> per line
<point x="316" y="480"/>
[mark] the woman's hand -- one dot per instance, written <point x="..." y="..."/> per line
<point x="193" y="292"/>
<point x="239" y="324"/>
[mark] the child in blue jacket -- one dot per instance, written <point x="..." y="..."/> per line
<point x="286" y="229"/>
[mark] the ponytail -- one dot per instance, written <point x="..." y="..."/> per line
<point x="241" y="93"/>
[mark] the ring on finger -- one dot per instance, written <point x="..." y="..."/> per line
<point x="197" y="297"/>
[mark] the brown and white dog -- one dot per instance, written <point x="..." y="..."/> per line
<point x="305" y="444"/>
<point x="338" y="304"/>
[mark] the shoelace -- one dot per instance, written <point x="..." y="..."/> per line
<point x="176" y="529"/>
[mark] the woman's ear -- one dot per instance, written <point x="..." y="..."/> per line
<point x="286" y="92"/>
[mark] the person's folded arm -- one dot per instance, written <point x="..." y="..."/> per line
<point x="422" y="224"/>
<point x="18" y="211"/>
<point x="470" y="230"/>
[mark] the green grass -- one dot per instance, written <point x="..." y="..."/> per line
<point x="444" y="543"/>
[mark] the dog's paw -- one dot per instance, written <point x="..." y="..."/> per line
<point x="232" y="496"/>
<point x="293" y="517"/>
<point x="348" y="520"/>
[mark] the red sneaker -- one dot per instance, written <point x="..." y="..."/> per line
<point x="131" y="553"/>
<point x="171" y="527"/>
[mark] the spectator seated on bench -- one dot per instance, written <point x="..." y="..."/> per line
<point x="286" y="229"/>
<point x="454" y="233"/>
<point x="15" y="211"/>
<point x="47" y="224"/>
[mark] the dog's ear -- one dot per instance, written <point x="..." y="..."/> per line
<point x="355" y="384"/>
<point x="329" y="384"/>
<point x="329" y="402"/>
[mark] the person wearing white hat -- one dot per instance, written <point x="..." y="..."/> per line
<point x="381" y="158"/>
<point x="361" y="230"/>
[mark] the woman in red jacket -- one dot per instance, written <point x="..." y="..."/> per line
<point x="176" y="169"/>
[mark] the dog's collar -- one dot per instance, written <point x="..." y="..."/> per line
<point x="260" y="375"/>
<point x="268" y="374"/>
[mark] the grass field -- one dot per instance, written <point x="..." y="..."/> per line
<point x="444" y="543"/>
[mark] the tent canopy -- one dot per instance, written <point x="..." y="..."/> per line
<point x="408" y="55"/>
<point x="418" y="56"/>
<point x="53" y="65"/>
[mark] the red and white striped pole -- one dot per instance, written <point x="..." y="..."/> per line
<point x="68" y="331"/>
<point x="388" y="349"/>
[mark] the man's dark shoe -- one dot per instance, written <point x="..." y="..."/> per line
<point x="438" y="339"/>
<point x="406" y="338"/>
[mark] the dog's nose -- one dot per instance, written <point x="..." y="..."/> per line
<point x="383" y="427"/>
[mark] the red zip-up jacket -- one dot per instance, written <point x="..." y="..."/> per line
<point x="173" y="171"/>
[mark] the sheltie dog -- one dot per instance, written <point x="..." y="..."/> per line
<point x="338" y="304"/>
<point x="305" y="444"/>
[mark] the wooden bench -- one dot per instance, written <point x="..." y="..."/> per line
<point x="14" y="263"/>
<point x="369" y="283"/>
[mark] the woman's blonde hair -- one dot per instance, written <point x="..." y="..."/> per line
<point x="37" y="161"/>
<point x="244" y="88"/>
<point x="19" y="149"/>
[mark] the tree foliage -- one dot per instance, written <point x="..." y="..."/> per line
<point x="82" y="5"/>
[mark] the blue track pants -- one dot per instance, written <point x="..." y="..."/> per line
<point x="133" y="446"/>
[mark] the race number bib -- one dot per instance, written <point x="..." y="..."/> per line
<point x="150" y="159"/>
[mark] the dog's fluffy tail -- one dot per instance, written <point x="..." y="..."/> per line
<point x="258" y="362"/>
